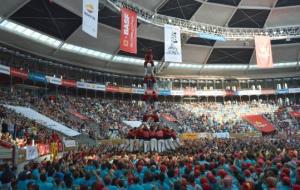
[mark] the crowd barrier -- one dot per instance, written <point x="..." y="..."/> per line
<point x="195" y="136"/>
<point x="41" y="149"/>
<point x="192" y="136"/>
<point x="112" y="141"/>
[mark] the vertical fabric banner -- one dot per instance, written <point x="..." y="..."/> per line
<point x="128" y="35"/>
<point x="172" y="44"/>
<point x="263" y="48"/>
<point x="31" y="152"/>
<point x="90" y="17"/>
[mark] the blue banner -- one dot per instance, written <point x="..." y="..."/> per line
<point x="37" y="77"/>
<point x="282" y="91"/>
<point x="138" y="90"/>
<point x="165" y="92"/>
<point x="294" y="90"/>
<point x="212" y="36"/>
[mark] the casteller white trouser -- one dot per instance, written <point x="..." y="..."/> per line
<point x="146" y="145"/>
<point x="153" y="145"/>
<point x="136" y="144"/>
<point x="171" y="144"/>
<point x="161" y="145"/>
<point x="131" y="145"/>
<point x="167" y="146"/>
<point x="141" y="145"/>
<point x="176" y="142"/>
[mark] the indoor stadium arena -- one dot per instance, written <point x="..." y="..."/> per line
<point x="149" y="94"/>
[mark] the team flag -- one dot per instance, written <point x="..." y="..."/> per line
<point x="263" y="50"/>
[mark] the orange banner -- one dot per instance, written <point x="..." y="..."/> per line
<point x="125" y="90"/>
<point x="128" y="35"/>
<point x="263" y="50"/>
<point x="188" y="136"/>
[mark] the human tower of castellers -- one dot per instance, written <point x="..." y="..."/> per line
<point x="151" y="136"/>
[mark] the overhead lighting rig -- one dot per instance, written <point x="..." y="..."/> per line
<point x="193" y="28"/>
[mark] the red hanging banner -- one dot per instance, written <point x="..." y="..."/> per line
<point x="260" y="123"/>
<point x="18" y="73"/>
<point x="128" y="35"/>
<point x="68" y="83"/>
<point x="264" y="58"/>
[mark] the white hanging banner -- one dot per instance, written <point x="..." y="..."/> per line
<point x="31" y="152"/>
<point x="90" y="17"/>
<point x="70" y="143"/>
<point x="5" y="69"/>
<point x="172" y="43"/>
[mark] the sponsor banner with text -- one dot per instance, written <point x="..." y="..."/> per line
<point x="190" y="92"/>
<point x="100" y="87"/>
<point x="164" y="92"/>
<point x="189" y="136"/>
<point x="138" y="90"/>
<point x="229" y="93"/>
<point x="204" y="135"/>
<point x="53" y="80"/>
<point x="18" y="73"/>
<point x="90" y="86"/>
<point x="248" y="92"/>
<point x="68" y="83"/>
<point x="69" y="143"/>
<point x="268" y="92"/>
<point x="177" y="93"/>
<point x="37" y="77"/>
<point x="90" y="17"/>
<point x="125" y="90"/>
<point x="224" y="135"/>
<point x="4" y="69"/>
<point x="282" y="91"/>
<point x="211" y="93"/>
<point x="294" y="90"/>
<point x="128" y="34"/>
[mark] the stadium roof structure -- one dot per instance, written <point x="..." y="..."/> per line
<point x="52" y="28"/>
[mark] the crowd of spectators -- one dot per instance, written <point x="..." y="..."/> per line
<point x="18" y="130"/>
<point x="219" y="164"/>
<point x="107" y="116"/>
<point x="228" y="164"/>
